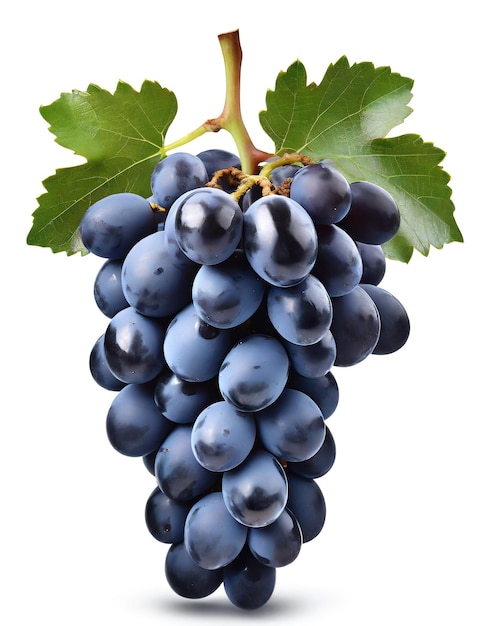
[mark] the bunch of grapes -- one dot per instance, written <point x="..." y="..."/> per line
<point x="229" y="305"/>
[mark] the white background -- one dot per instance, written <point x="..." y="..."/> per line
<point x="405" y="538"/>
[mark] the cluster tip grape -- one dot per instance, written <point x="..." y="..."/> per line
<point x="226" y="314"/>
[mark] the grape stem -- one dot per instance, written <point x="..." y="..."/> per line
<point x="230" y="118"/>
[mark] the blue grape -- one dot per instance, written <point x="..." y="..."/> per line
<point x="283" y="172"/>
<point x="292" y="428"/>
<point x="280" y="240"/>
<point x="323" y="192"/>
<point x="373" y="261"/>
<point x="222" y="436"/>
<point x="208" y="226"/>
<point x="307" y="503"/>
<point x="323" y="390"/>
<point x="339" y="264"/>
<point x="112" y="225"/>
<point x="176" y="174"/>
<point x="193" y="349"/>
<point x="149" y="461"/>
<point x="182" y="401"/>
<point x="374" y="216"/>
<point x="99" y="369"/>
<point x="153" y="281"/>
<point x="216" y="159"/>
<point x="250" y="196"/>
<point x="254" y="372"/>
<point x="169" y="229"/>
<point x="315" y="360"/>
<point x="134" y="424"/>
<point x="355" y="327"/>
<point x="279" y="543"/>
<point x="178" y="473"/>
<point x="256" y="492"/>
<point x="107" y="291"/>
<point x="133" y="346"/>
<point x="394" y="321"/>
<point x="227" y="294"/>
<point x="213" y="538"/>
<point x="186" y="578"/>
<point x="318" y="464"/>
<point x="248" y="583"/>
<point x="302" y="313"/>
<point x="165" y="517"/>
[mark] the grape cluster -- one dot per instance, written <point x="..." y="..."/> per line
<point x="227" y="312"/>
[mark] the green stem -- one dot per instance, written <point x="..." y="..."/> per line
<point x="287" y="159"/>
<point x="231" y="117"/>
<point x="198" y="132"/>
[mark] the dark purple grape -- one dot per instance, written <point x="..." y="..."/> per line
<point x="112" y="225"/>
<point x="227" y="294"/>
<point x="208" y="226"/>
<point x="178" y="473"/>
<point x="135" y="426"/>
<point x="315" y="360"/>
<point x="222" y="436"/>
<point x="182" y="401"/>
<point x="339" y="264"/>
<point x="320" y="463"/>
<point x="216" y="159"/>
<point x="292" y="428"/>
<point x="250" y="196"/>
<point x="374" y="216"/>
<point x="301" y="314"/>
<point x="133" y="346"/>
<point x="176" y="174"/>
<point x="283" y="172"/>
<point x="355" y="327"/>
<point x="186" y="578"/>
<point x="323" y="390"/>
<point x="153" y="280"/>
<point x="280" y="240"/>
<point x="107" y="290"/>
<point x="254" y="373"/>
<point x="99" y="369"/>
<point x="323" y="191"/>
<point x="373" y="261"/>
<point x="149" y="461"/>
<point x="307" y="503"/>
<point x="394" y="320"/>
<point x="248" y="583"/>
<point x="255" y="492"/>
<point x="279" y="543"/>
<point x="192" y="348"/>
<point x="213" y="538"/>
<point x="165" y="517"/>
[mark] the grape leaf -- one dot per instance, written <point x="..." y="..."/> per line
<point x="345" y="119"/>
<point x="121" y="135"/>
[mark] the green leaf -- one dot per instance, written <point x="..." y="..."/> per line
<point x="345" y="119"/>
<point x="121" y="135"/>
